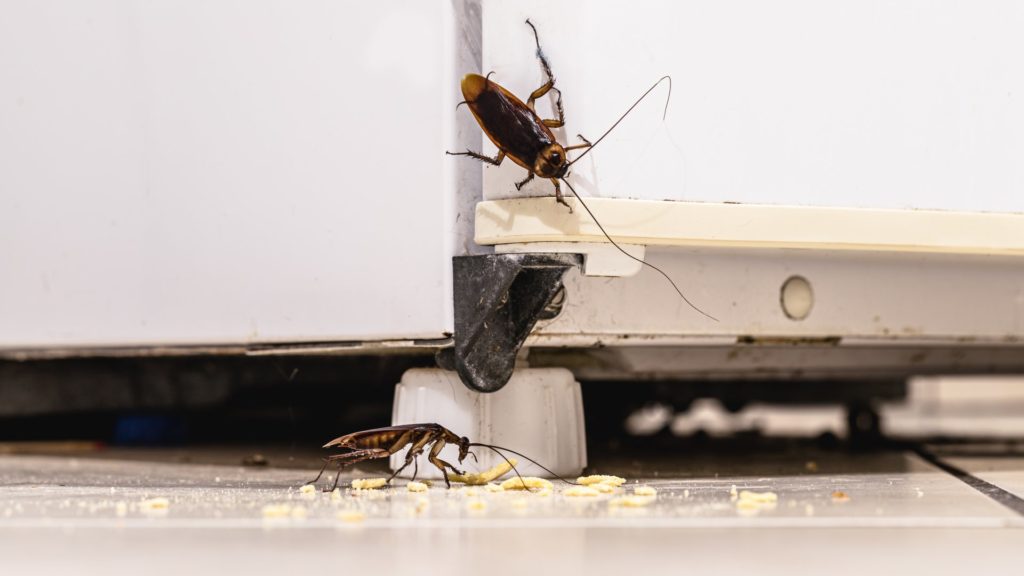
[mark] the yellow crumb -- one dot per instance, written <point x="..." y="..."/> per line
<point x="526" y="482"/>
<point x="350" y="516"/>
<point x="631" y="501"/>
<point x="416" y="487"/>
<point x="645" y="491"/>
<point x="476" y="504"/>
<point x="277" y="510"/>
<point x="840" y="496"/>
<point x="493" y="488"/>
<point x="299" y="512"/>
<point x="758" y="497"/>
<point x="600" y="479"/>
<point x="307" y="489"/>
<point x="581" y="491"/>
<point x="335" y="495"/>
<point x="153" y="504"/>
<point x="368" y="483"/>
<point x="603" y="488"/>
<point x="480" y="478"/>
<point x="544" y="491"/>
<point x="121" y="509"/>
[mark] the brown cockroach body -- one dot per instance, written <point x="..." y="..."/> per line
<point x="517" y="130"/>
<point x="383" y="442"/>
<point x="522" y="135"/>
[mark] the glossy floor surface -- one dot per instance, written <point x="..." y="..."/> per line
<point x="776" y="512"/>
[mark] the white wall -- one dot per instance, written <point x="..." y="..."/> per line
<point x="912" y="103"/>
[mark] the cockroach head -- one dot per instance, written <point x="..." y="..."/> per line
<point x="551" y="162"/>
<point x="463" y="448"/>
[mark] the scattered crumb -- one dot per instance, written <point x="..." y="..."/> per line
<point x="544" y="491"/>
<point x="811" y="466"/>
<point x="631" y="501"/>
<point x="759" y="497"/>
<point x="350" y="516"/>
<point x="491" y="487"/>
<point x="686" y="493"/>
<point x="732" y="493"/>
<point x="335" y="495"/>
<point x="121" y="509"/>
<point x="644" y="491"/>
<point x="154" y="505"/>
<point x="416" y="487"/>
<point x="469" y="492"/>
<point x="308" y="491"/>
<point x="526" y="482"/>
<point x="368" y="483"/>
<point x="581" y="491"/>
<point x="299" y="512"/>
<point x="601" y="479"/>
<point x="603" y="488"/>
<point x="478" y="479"/>
<point x="808" y="510"/>
<point x="422" y="503"/>
<point x="752" y="503"/>
<point x="277" y="510"/>
<point x="840" y="496"/>
<point x="920" y="493"/>
<point x="476" y="505"/>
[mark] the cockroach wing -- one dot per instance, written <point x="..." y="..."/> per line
<point x="510" y="124"/>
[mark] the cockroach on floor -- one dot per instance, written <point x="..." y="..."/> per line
<point x="521" y="134"/>
<point x="383" y="442"/>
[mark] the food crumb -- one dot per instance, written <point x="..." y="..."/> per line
<point x="350" y="516"/>
<point x="154" y="504"/>
<point x="476" y="505"/>
<point x="811" y="466"/>
<point x="335" y="495"/>
<point x="686" y="493"/>
<point x="121" y="509"/>
<point x="525" y="483"/>
<point x="644" y="491"/>
<point x="732" y="493"/>
<point x="808" y="510"/>
<point x="308" y="490"/>
<point x="416" y="487"/>
<point x="759" y="497"/>
<point x="276" y="510"/>
<point x="492" y="487"/>
<point x="478" y="479"/>
<point x="299" y="512"/>
<point x="601" y="479"/>
<point x="368" y="483"/>
<point x="840" y="496"/>
<point x="581" y="491"/>
<point x="603" y="488"/>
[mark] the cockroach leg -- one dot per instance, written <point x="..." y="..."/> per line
<point x="558" y="195"/>
<point x="519" y="185"/>
<point x="586" y="144"/>
<point x="495" y="161"/>
<point x="351" y="458"/>
<point x="549" y="85"/>
<point x="313" y="481"/>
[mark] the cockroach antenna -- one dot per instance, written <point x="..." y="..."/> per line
<point x="594" y="218"/>
<point x="664" y="115"/>
<point x="498" y="449"/>
<point x="640" y="260"/>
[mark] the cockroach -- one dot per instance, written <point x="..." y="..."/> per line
<point x="521" y="134"/>
<point x="383" y="442"/>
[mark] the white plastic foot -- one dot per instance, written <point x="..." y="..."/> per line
<point x="538" y="413"/>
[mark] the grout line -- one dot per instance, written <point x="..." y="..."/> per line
<point x="1007" y="499"/>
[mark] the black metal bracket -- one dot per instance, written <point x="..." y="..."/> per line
<point x="498" y="299"/>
